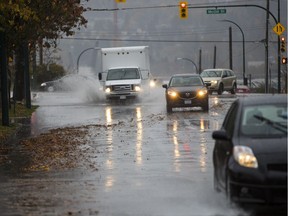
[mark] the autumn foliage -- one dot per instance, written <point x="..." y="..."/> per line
<point x="34" y="24"/>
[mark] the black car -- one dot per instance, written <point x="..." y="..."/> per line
<point x="186" y="90"/>
<point x="250" y="152"/>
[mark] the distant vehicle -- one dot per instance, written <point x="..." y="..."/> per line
<point x="125" y="72"/>
<point x="186" y="90"/>
<point x="65" y="83"/>
<point x="220" y="80"/>
<point x="243" y="89"/>
<point x="250" y="152"/>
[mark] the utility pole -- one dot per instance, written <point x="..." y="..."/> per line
<point x="200" y="61"/>
<point x="215" y="54"/>
<point x="279" y="54"/>
<point x="230" y="48"/>
<point x="267" y="49"/>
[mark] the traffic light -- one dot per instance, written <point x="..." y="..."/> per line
<point x="284" y="60"/>
<point x="183" y="10"/>
<point x="121" y="1"/>
<point x="283" y="44"/>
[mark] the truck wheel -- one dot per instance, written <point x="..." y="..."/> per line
<point x="220" y="89"/>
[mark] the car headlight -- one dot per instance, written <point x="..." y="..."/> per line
<point x="43" y="84"/>
<point x="202" y="92"/>
<point x="245" y="157"/>
<point x="137" y="88"/>
<point x="172" y="93"/>
<point x="213" y="82"/>
<point x="108" y="90"/>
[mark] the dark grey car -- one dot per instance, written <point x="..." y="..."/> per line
<point x="250" y="152"/>
<point x="186" y="90"/>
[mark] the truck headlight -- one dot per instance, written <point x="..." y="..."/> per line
<point x="172" y="93"/>
<point x="137" y="88"/>
<point x="202" y="92"/>
<point x="245" y="157"/>
<point x="108" y="90"/>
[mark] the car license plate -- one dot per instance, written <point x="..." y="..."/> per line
<point x="122" y="97"/>
<point x="187" y="102"/>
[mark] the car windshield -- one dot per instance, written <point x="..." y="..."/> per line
<point x="265" y="120"/>
<point x="185" y="81"/>
<point x="211" y="73"/>
<point x="123" y="73"/>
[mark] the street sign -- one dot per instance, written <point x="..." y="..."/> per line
<point x="278" y="29"/>
<point x="216" y="11"/>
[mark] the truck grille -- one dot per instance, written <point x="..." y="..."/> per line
<point x="120" y="88"/>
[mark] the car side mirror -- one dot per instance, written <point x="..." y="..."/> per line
<point x="165" y="86"/>
<point x="100" y="76"/>
<point x="220" y="135"/>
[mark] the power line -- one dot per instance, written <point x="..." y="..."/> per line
<point x="156" y="40"/>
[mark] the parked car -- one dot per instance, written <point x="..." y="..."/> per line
<point x="220" y="80"/>
<point x="243" y="89"/>
<point x="186" y="90"/>
<point x="65" y="83"/>
<point x="250" y="152"/>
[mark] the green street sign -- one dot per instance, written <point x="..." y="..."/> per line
<point x="216" y="11"/>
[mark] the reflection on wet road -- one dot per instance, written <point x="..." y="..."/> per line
<point x="148" y="162"/>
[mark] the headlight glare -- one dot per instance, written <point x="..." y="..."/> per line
<point x="172" y="93"/>
<point x="152" y="83"/>
<point x="214" y="82"/>
<point x="245" y="157"/>
<point x="108" y="90"/>
<point x="202" y="92"/>
<point x="137" y="88"/>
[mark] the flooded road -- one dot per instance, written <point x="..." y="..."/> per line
<point x="145" y="161"/>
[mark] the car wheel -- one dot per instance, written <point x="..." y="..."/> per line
<point x="220" y="89"/>
<point x="169" y="108"/>
<point x="233" y="90"/>
<point x="50" y="89"/>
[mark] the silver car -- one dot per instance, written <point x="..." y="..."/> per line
<point x="220" y="80"/>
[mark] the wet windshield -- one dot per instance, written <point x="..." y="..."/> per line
<point x="185" y="81"/>
<point x="264" y="120"/>
<point x="211" y="73"/>
<point x="123" y="73"/>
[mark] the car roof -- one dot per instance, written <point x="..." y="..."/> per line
<point x="217" y="69"/>
<point x="184" y="75"/>
<point x="263" y="99"/>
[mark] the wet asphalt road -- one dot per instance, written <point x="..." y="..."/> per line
<point x="148" y="163"/>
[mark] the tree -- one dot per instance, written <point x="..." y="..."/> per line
<point x="36" y="22"/>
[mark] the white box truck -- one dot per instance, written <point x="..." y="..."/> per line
<point x="125" y="72"/>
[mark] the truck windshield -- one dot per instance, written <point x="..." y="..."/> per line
<point x="123" y="73"/>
